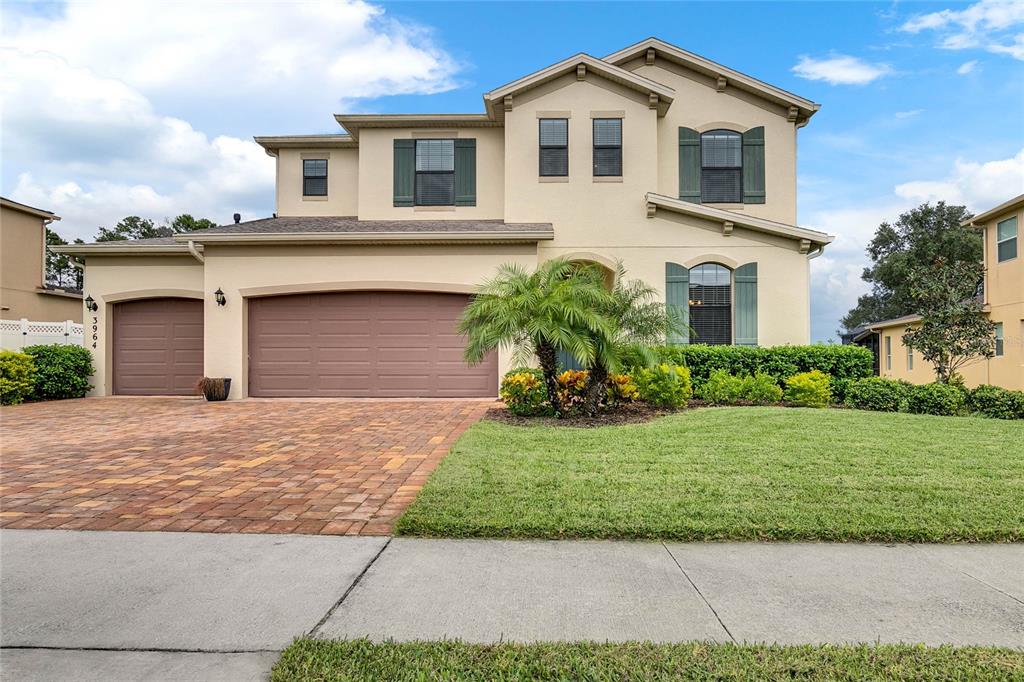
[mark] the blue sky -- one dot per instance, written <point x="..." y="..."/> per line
<point x="921" y="101"/>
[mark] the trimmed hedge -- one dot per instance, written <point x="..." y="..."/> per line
<point x="944" y="400"/>
<point x="61" y="371"/>
<point x="996" y="402"/>
<point x="17" y="377"/>
<point x="842" y="363"/>
<point x="878" y="394"/>
<point x="809" y="389"/>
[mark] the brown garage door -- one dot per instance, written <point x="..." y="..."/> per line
<point x="158" y="346"/>
<point x="363" y="343"/>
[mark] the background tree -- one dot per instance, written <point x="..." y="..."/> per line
<point x="556" y="307"/>
<point x="59" y="270"/>
<point x="916" y="239"/>
<point x="638" y="320"/>
<point x="953" y="329"/>
<point x="134" y="227"/>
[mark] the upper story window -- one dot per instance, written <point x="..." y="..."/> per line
<point x="721" y="167"/>
<point x="1006" y="239"/>
<point x="711" y="304"/>
<point x="554" y="147"/>
<point x="435" y="172"/>
<point x="314" y="177"/>
<point x="607" y="147"/>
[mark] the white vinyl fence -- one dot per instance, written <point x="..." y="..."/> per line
<point x="16" y="334"/>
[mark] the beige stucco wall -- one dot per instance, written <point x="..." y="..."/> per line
<point x="22" y="273"/>
<point x="342" y="183"/>
<point x="376" y="175"/>
<point x="699" y="106"/>
<point x="111" y="279"/>
<point x="243" y="272"/>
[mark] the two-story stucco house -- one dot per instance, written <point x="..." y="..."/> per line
<point x="683" y="169"/>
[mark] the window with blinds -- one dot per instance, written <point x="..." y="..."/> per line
<point x="435" y="173"/>
<point x="314" y="177"/>
<point x="554" y="147"/>
<point x="721" y="160"/>
<point x="710" y="304"/>
<point x="607" y="147"/>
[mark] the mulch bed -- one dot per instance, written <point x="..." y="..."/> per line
<point x="629" y="413"/>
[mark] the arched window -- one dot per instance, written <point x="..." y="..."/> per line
<point x="721" y="161"/>
<point x="710" y="302"/>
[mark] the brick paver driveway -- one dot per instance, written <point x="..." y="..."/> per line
<point x="256" y="466"/>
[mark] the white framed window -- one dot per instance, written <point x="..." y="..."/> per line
<point x="1006" y="239"/>
<point x="607" y="147"/>
<point x="314" y="177"/>
<point x="910" y="358"/>
<point x="435" y="173"/>
<point x="721" y="172"/>
<point x="999" y="339"/>
<point x="554" y="147"/>
<point x="888" y="353"/>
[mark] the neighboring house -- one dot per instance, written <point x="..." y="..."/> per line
<point x="1004" y="304"/>
<point x="683" y="169"/>
<point x="24" y="293"/>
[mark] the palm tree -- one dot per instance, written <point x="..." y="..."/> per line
<point x="638" y="321"/>
<point x="556" y="307"/>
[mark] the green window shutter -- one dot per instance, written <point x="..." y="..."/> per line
<point x="753" y="166"/>
<point x="746" y="305"/>
<point x="465" y="172"/>
<point x="677" y="298"/>
<point x="689" y="165"/>
<point x="405" y="172"/>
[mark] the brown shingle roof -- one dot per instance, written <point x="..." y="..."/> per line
<point x="350" y="224"/>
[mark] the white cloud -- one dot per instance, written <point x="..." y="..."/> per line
<point x="840" y="70"/>
<point x="967" y="67"/>
<point x="101" y="103"/>
<point x="835" y="276"/>
<point x="908" y="114"/>
<point x="987" y="25"/>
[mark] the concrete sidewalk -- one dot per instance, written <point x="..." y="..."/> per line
<point x="119" y="605"/>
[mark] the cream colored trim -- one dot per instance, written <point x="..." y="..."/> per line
<point x="726" y="207"/>
<point x="111" y="249"/>
<point x="997" y="212"/>
<point x="195" y="252"/>
<point x="315" y="155"/>
<point x="750" y="222"/>
<point x="608" y="114"/>
<point x="433" y="209"/>
<point x="353" y="122"/>
<point x="272" y="143"/>
<point x="137" y="294"/>
<point x="554" y="114"/>
<point x="370" y="237"/>
<point x="315" y="198"/>
<point x="30" y="210"/>
<point x="553" y="178"/>
<point x="730" y="263"/>
<point x="433" y="134"/>
<point x="607" y="178"/>
<point x="605" y="261"/>
<point x="357" y="285"/>
<point x="62" y="294"/>
<point x="723" y="125"/>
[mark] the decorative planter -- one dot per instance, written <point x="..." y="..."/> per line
<point x="214" y="389"/>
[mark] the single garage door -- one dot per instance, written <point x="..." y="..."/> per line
<point x="363" y="343"/>
<point x="158" y="346"/>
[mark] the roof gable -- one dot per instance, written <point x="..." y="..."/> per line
<point x="651" y="49"/>
<point x="498" y="100"/>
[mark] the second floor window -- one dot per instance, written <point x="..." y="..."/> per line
<point x="554" y="147"/>
<point x="1006" y="239"/>
<point x="607" y="147"/>
<point x="314" y="177"/>
<point x="721" y="161"/>
<point x="435" y="172"/>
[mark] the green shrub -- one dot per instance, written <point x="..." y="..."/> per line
<point x="721" y="388"/>
<point x="878" y="394"/>
<point x="842" y="363"/>
<point x="524" y="393"/>
<point x="939" y="399"/>
<point x="996" y="402"/>
<point x="17" y="377"/>
<point x="809" y="389"/>
<point x="61" y="371"/>
<point x="664" y="385"/>
<point x="761" y="389"/>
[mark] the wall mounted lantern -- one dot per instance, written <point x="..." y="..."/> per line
<point x="91" y="305"/>
<point x="219" y="296"/>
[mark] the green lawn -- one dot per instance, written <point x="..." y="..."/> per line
<point x="734" y="473"/>
<point x="312" y="660"/>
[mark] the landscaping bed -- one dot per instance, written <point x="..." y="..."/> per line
<point x="734" y="473"/>
<point x="310" y="659"/>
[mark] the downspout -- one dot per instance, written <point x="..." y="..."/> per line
<point x="817" y="252"/>
<point x="195" y="252"/>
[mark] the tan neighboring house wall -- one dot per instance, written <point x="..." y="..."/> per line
<point x="1004" y="304"/>
<point x="636" y="218"/>
<point x="23" y="268"/>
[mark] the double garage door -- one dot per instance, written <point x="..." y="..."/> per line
<point x="357" y="344"/>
